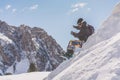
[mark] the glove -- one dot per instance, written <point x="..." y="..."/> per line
<point x="72" y="32"/>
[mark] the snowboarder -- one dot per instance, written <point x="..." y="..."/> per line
<point x="85" y="31"/>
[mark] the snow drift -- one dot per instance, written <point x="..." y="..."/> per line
<point x="26" y="76"/>
<point x="100" y="57"/>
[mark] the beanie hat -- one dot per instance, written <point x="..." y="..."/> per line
<point x="79" y="20"/>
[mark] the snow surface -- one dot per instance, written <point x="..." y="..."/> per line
<point x="26" y="76"/>
<point x="19" y="67"/>
<point x="5" y="40"/>
<point x="22" y="66"/>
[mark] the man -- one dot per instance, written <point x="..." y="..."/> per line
<point x="85" y="30"/>
<point x="82" y="35"/>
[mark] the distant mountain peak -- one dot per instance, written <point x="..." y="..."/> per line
<point x="32" y="45"/>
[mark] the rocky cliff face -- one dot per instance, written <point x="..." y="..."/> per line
<point x="32" y="45"/>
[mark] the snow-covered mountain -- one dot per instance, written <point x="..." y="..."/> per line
<point x="21" y="46"/>
<point x="100" y="57"/>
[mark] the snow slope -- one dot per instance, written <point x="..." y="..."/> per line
<point x="100" y="57"/>
<point x="100" y="62"/>
<point x="26" y="76"/>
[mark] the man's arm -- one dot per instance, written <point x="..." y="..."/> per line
<point x="76" y="27"/>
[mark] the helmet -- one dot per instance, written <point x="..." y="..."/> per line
<point x="79" y="20"/>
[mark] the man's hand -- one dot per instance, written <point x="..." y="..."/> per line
<point x="73" y="33"/>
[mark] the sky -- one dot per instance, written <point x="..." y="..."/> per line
<point x="56" y="17"/>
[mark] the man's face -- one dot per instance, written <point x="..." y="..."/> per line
<point x="79" y="24"/>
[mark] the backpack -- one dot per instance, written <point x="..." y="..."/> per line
<point x="90" y="30"/>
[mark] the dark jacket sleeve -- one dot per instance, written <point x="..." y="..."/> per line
<point x="76" y="27"/>
<point x="82" y="35"/>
